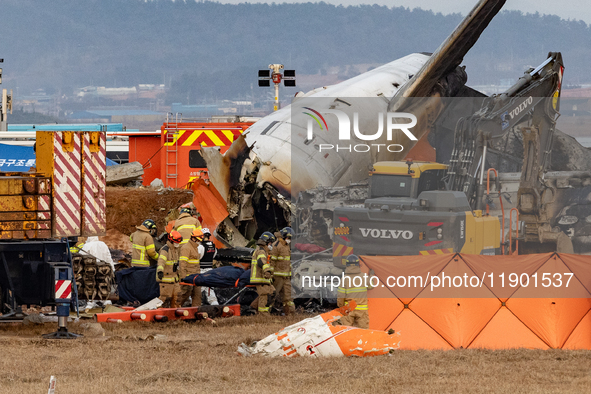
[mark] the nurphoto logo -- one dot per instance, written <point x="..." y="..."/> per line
<point x="344" y="132"/>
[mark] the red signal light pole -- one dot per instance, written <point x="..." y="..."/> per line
<point x="265" y="78"/>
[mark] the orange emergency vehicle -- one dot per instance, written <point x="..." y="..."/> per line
<point x="172" y="153"/>
<point x="181" y="162"/>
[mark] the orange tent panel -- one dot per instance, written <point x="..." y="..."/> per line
<point x="552" y="280"/>
<point x="405" y="266"/>
<point x="580" y="265"/>
<point x="535" y="314"/>
<point x="552" y="319"/>
<point x="383" y="305"/>
<point x="383" y="311"/>
<point x="458" y="320"/>
<point x="483" y="266"/>
<point x="546" y="310"/>
<point x="454" y="282"/>
<point x="580" y="337"/>
<point x="416" y="334"/>
<point x="505" y="331"/>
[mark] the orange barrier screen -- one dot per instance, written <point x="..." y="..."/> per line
<point x="496" y="302"/>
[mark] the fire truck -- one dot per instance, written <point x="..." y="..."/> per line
<point x="181" y="161"/>
<point x="172" y="154"/>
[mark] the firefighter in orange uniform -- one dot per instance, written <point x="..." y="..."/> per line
<point x="261" y="273"/>
<point x="166" y="272"/>
<point x="185" y="224"/>
<point x="189" y="263"/>
<point x="281" y="262"/>
<point x="143" y="249"/>
<point x="349" y="292"/>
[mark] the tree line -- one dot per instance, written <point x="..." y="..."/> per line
<point x="205" y="50"/>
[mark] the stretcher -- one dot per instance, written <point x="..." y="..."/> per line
<point x="166" y="314"/>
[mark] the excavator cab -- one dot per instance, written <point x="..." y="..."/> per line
<point x="409" y="212"/>
<point x="405" y="178"/>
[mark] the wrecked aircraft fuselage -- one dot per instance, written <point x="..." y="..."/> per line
<point x="277" y="160"/>
<point x="265" y="169"/>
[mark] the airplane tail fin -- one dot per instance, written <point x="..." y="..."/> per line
<point x="449" y="55"/>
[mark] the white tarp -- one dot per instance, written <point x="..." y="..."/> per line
<point x="98" y="249"/>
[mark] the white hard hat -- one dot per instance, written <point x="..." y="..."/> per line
<point x="206" y="231"/>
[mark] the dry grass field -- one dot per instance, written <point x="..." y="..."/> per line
<point x="199" y="358"/>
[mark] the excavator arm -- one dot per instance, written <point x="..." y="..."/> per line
<point x="525" y="117"/>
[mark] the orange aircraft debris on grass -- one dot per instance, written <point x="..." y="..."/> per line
<point x="318" y="337"/>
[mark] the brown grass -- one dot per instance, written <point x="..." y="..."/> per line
<point x="198" y="358"/>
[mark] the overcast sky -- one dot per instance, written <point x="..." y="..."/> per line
<point x="567" y="9"/>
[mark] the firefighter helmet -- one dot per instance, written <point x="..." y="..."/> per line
<point x="286" y="232"/>
<point x="352" y="260"/>
<point x="149" y="224"/>
<point x="206" y="231"/>
<point x="267" y="237"/>
<point x="175" y="237"/>
<point x="186" y="210"/>
<point x="197" y="233"/>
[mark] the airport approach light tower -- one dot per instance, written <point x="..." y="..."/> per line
<point x="265" y="78"/>
<point x="5" y="104"/>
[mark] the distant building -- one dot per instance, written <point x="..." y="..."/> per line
<point x="133" y="118"/>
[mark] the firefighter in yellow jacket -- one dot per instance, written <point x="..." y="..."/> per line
<point x="281" y="263"/>
<point x="77" y="247"/>
<point x="167" y="270"/>
<point x="189" y="263"/>
<point x="261" y="272"/>
<point x="353" y="289"/>
<point x="143" y="249"/>
<point x="185" y="224"/>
